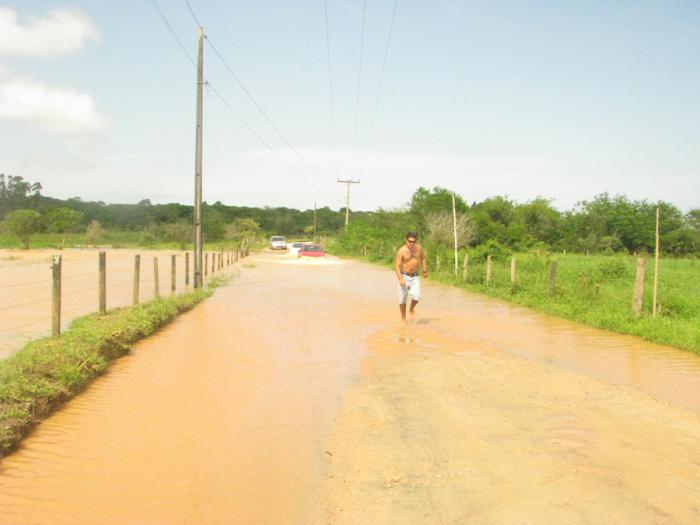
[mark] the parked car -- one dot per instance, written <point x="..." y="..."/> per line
<point x="311" y="250"/>
<point x="295" y="247"/>
<point x="278" y="242"/>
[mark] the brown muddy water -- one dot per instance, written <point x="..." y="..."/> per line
<point x="294" y="396"/>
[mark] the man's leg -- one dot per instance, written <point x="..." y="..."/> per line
<point x="412" y="310"/>
<point x="403" y="297"/>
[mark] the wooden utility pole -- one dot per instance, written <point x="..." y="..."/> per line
<point x="655" y="305"/>
<point x="347" y="199"/>
<point x="454" y="227"/>
<point x="315" y="222"/>
<point x="198" y="164"/>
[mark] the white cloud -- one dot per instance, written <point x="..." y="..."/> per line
<point x="60" y="32"/>
<point x="54" y="109"/>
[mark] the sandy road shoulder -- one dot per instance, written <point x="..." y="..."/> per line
<point x="446" y="431"/>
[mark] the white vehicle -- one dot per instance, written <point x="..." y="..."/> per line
<point x="277" y="242"/>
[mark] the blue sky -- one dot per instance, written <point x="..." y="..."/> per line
<point x="560" y="99"/>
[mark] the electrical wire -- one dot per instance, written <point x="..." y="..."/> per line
<point x="359" y="83"/>
<point x="330" y="86"/>
<point x="379" y="88"/>
<point x="209" y="85"/>
<point x="269" y="120"/>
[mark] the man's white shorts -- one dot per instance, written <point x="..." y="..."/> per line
<point x="412" y="286"/>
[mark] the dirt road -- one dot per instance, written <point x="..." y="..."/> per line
<point x="295" y="396"/>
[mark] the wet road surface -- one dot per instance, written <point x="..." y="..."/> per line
<point x="295" y="396"/>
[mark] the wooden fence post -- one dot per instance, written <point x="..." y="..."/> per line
<point x="206" y="264"/>
<point x="489" y="270"/>
<point x="56" y="296"/>
<point x="655" y="301"/>
<point x="552" y="281"/>
<point x="437" y="263"/>
<point x="173" y="275"/>
<point x="137" y="279"/>
<point x="465" y="269"/>
<point x="187" y="269"/>
<point x="364" y="250"/>
<point x="156" y="282"/>
<point x="512" y="272"/>
<point x="102" y="283"/>
<point x="639" y="287"/>
<point x="213" y="263"/>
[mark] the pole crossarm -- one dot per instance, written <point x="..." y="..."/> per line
<point x="347" y="201"/>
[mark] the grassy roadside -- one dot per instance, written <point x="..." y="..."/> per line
<point x="595" y="290"/>
<point x="37" y="379"/>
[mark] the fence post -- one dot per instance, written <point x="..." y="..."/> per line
<point x="364" y="250"/>
<point x="206" y="264"/>
<point x="102" y="283"/>
<point x="639" y="287"/>
<point x="156" y="282"/>
<point x="465" y="269"/>
<point x="235" y="256"/>
<point x="173" y="275"/>
<point x="655" y="301"/>
<point x="489" y="270"/>
<point x="137" y="279"/>
<point x="512" y="272"/>
<point x="56" y="296"/>
<point x="552" y="281"/>
<point x="213" y="263"/>
<point x="187" y="269"/>
<point x="437" y="263"/>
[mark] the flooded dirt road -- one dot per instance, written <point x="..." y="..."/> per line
<point x="295" y="396"/>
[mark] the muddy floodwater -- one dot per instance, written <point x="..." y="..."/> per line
<point x="295" y="396"/>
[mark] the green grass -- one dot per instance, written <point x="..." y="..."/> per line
<point x="37" y="379"/>
<point x="596" y="290"/>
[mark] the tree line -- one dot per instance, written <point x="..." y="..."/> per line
<point x="604" y="224"/>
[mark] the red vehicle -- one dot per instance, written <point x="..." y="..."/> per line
<point x="311" y="250"/>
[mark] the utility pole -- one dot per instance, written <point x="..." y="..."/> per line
<point x="347" y="205"/>
<point x="314" y="221"/>
<point x="198" y="166"/>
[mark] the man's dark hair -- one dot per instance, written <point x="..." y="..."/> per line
<point x="412" y="234"/>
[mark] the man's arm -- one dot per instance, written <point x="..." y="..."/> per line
<point x="424" y="262"/>
<point x="399" y="261"/>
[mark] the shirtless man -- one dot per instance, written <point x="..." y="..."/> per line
<point x="408" y="259"/>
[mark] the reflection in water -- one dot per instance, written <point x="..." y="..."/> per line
<point x="223" y="416"/>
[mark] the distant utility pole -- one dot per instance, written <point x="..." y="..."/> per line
<point x="347" y="205"/>
<point x="198" y="166"/>
<point x="314" y="221"/>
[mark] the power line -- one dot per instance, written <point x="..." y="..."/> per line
<point x="330" y="86"/>
<point x="359" y="82"/>
<point x="192" y="13"/>
<point x="381" y="82"/>
<point x="158" y="10"/>
<point x="209" y="85"/>
<point x="257" y="105"/>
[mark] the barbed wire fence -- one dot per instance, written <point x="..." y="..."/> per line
<point x="73" y="287"/>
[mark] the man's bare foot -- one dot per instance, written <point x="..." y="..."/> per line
<point x="412" y="315"/>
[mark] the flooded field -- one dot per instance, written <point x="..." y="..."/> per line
<point x="25" y="287"/>
<point x="294" y="395"/>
